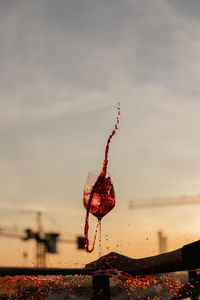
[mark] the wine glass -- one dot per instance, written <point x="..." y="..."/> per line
<point x="98" y="198"/>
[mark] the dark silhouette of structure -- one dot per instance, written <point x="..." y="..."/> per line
<point x="45" y="242"/>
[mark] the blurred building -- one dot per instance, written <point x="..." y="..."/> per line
<point x="162" y="242"/>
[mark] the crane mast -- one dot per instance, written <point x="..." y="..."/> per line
<point x="165" y="201"/>
<point x="40" y="245"/>
<point x="45" y="242"/>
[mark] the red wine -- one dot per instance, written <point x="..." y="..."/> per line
<point x="100" y="198"/>
<point x="103" y="199"/>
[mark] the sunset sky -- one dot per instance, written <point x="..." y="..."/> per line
<point x="64" y="66"/>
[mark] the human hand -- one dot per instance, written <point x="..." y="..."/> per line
<point x="114" y="261"/>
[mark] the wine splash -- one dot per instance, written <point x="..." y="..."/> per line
<point x="99" y="199"/>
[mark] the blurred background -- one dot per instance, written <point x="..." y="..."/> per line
<point x="64" y="66"/>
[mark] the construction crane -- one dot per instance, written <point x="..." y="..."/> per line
<point x="179" y="200"/>
<point x="165" y="201"/>
<point x="45" y="242"/>
<point x="162" y="240"/>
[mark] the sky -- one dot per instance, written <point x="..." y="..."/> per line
<point x="64" y="66"/>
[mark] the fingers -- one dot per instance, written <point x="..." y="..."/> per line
<point x="91" y="265"/>
<point x="98" y="264"/>
<point x="113" y="261"/>
<point x="105" y="262"/>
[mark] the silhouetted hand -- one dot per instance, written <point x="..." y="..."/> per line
<point x="114" y="261"/>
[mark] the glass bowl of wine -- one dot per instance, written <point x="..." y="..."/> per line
<point x="103" y="198"/>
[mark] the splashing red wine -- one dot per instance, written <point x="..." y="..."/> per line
<point x="99" y="199"/>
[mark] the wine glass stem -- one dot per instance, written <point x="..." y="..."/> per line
<point x="99" y="226"/>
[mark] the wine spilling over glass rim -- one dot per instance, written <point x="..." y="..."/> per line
<point x="99" y="195"/>
<point x="103" y="199"/>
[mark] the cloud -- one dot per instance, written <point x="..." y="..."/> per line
<point x="66" y="64"/>
<point x="52" y="52"/>
<point x="186" y="9"/>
